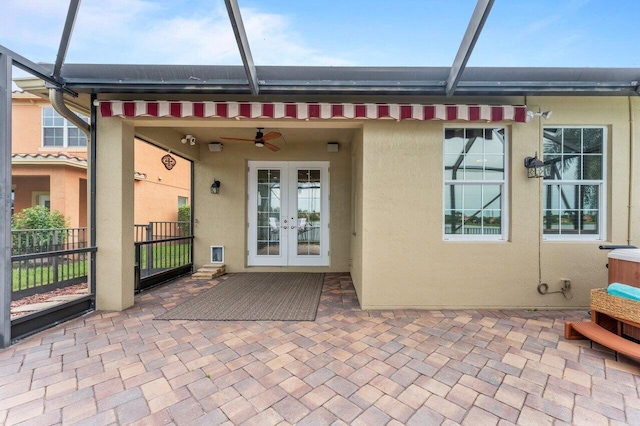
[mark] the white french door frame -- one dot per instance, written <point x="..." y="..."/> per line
<point x="287" y="222"/>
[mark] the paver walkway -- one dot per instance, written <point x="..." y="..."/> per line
<point x="347" y="367"/>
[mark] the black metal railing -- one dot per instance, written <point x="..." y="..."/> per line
<point x="160" y="230"/>
<point x="158" y="260"/>
<point x="47" y="259"/>
<point x="36" y="273"/>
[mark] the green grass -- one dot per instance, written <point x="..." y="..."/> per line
<point x="165" y="255"/>
<point x="38" y="275"/>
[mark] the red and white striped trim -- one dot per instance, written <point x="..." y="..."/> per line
<point x="307" y="111"/>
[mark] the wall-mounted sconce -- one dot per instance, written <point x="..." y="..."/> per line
<point x="333" y="147"/>
<point x="535" y="167"/>
<point x="189" y="138"/>
<point x="215" y="147"/>
<point x="215" y="187"/>
<point x="546" y="115"/>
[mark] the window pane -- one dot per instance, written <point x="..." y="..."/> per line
<point x="453" y="222"/>
<point x="491" y="222"/>
<point x="570" y="167"/>
<point x="452" y="170"/>
<point x="53" y="136"/>
<point x="554" y="161"/>
<point x="589" y="222"/>
<point x="76" y="137"/>
<point x="494" y="167"/>
<point x="473" y="167"/>
<point x="452" y="197"/>
<point x="568" y="196"/>
<point x="593" y="140"/>
<point x="492" y="197"/>
<point x="590" y="197"/>
<point x="552" y="141"/>
<point x="494" y="141"/>
<point x="472" y="197"/>
<point x="453" y="141"/>
<point x="551" y="198"/>
<point x="572" y="140"/>
<point x="592" y="167"/>
<point x="475" y="141"/>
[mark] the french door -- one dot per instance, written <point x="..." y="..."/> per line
<point x="288" y="213"/>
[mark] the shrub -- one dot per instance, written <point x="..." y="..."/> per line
<point x="184" y="215"/>
<point x="41" y="220"/>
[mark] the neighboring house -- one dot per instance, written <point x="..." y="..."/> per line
<point x="49" y="167"/>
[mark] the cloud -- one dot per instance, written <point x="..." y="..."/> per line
<point x="141" y="31"/>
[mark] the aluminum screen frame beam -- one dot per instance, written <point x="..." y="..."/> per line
<point x="66" y="36"/>
<point x="479" y="17"/>
<point x="36" y="70"/>
<point x="6" y="63"/>
<point x="243" y="44"/>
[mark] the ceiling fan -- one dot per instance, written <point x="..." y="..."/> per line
<point x="261" y="139"/>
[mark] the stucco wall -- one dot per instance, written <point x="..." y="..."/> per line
<point x="221" y="219"/>
<point x="156" y="197"/>
<point x="357" y="272"/>
<point x="26" y="127"/>
<point x="63" y="183"/>
<point x="407" y="264"/>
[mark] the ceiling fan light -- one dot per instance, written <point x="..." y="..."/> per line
<point x="259" y="144"/>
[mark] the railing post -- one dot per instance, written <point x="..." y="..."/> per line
<point x="6" y="277"/>
<point x="136" y="269"/>
<point x="54" y="244"/>
<point x="149" y="246"/>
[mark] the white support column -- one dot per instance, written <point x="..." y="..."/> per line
<point x="114" y="214"/>
<point x="5" y="200"/>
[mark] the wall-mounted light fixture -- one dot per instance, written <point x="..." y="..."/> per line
<point x="215" y="187"/>
<point x="535" y="167"/>
<point x="189" y="138"/>
<point x="333" y="147"/>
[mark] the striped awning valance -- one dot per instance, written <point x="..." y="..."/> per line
<point x="311" y="111"/>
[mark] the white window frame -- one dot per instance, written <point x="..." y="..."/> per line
<point x="67" y="125"/>
<point x="503" y="236"/>
<point x="602" y="183"/>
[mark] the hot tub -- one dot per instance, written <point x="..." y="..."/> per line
<point x="624" y="267"/>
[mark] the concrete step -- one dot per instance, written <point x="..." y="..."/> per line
<point x="209" y="272"/>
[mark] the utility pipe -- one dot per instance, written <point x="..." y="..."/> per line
<point x="57" y="101"/>
<point x="631" y="175"/>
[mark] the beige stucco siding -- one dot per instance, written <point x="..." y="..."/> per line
<point x="222" y="219"/>
<point x="357" y="271"/>
<point x="408" y="264"/>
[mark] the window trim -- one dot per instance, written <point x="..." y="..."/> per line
<point x="602" y="200"/>
<point x="504" y="183"/>
<point x="65" y="133"/>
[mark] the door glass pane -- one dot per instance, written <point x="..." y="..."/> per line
<point x="268" y="197"/>
<point x="309" y="220"/>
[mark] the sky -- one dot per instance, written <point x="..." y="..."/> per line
<point x="539" y="33"/>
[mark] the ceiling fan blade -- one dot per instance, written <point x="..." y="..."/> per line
<point x="237" y="139"/>
<point x="271" y="135"/>
<point x="271" y="147"/>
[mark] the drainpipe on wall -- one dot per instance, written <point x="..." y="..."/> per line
<point x="57" y="101"/>
<point x="631" y="176"/>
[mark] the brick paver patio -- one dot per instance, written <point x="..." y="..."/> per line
<point x="348" y="367"/>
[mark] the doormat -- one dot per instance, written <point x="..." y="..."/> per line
<point x="260" y="296"/>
